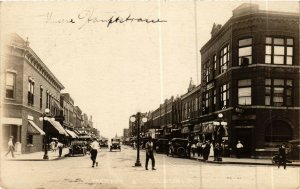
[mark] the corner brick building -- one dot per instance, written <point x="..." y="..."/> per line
<point x="251" y="67"/>
<point x="28" y="88"/>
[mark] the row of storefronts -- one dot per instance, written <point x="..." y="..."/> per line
<point x="30" y="92"/>
<point x="250" y="75"/>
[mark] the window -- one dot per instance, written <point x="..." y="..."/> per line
<point x="224" y="59"/>
<point x="224" y="98"/>
<point x="205" y="103"/>
<point x="205" y="71"/>
<point x="279" y="50"/>
<point x="244" y="92"/>
<point x="245" y="52"/>
<point x="278" y="92"/>
<point x="29" y="139"/>
<point x="215" y="65"/>
<point x="214" y="99"/>
<point x="10" y="83"/>
<point x="30" y="92"/>
<point x="47" y="99"/>
<point x="41" y="97"/>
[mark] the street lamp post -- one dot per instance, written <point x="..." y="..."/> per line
<point x="46" y="117"/>
<point x="136" y="119"/>
<point x="220" y="123"/>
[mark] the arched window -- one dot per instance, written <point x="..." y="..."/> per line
<point x="278" y="132"/>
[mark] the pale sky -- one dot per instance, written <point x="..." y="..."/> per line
<point x="111" y="73"/>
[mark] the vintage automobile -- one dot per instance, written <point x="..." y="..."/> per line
<point x="103" y="143"/>
<point x="178" y="147"/>
<point x="115" y="144"/>
<point x="162" y="145"/>
<point x="77" y="148"/>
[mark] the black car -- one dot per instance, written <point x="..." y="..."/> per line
<point x="77" y="148"/>
<point x="178" y="147"/>
<point x="162" y="145"/>
<point x="103" y="143"/>
<point x="115" y="144"/>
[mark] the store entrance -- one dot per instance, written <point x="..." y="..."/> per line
<point x="245" y="136"/>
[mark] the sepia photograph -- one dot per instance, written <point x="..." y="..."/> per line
<point x="155" y="94"/>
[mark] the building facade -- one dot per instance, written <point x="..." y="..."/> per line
<point x="28" y="88"/>
<point x="250" y="71"/>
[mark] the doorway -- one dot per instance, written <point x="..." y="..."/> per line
<point x="245" y="136"/>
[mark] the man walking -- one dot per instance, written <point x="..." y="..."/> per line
<point x="94" y="151"/>
<point x="11" y="147"/>
<point x="282" y="156"/>
<point x="60" y="148"/>
<point x="149" y="154"/>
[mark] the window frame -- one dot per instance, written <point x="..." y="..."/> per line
<point x="14" y="76"/>
<point x="248" y="86"/>
<point x="285" y="55"/>
<point x="287" y="99"/>
<point x="245" y="46"/>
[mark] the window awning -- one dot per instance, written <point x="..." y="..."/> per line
<point x="34" y="129"/>
<point x="58" y="127"/>
<point x="71" y="133"/>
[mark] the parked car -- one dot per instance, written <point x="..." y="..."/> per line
<point x="178" y="147"/>
<point x="115" y="144"/>
<point x="77" y="147"/>
<point x="103" y="143"/>
<point x="162" y="145"/>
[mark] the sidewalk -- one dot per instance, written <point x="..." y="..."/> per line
<point x="247" y="161"/>
<point x="36" y="156"/>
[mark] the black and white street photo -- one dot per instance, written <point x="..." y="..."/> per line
<point x="150" y="94"/>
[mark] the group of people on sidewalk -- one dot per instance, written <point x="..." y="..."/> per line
<point x="54" y="145"/>
<point x="202" y="149"/>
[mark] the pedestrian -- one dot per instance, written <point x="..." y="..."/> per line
<point x="239" y="148"/>
<point x="60" y="148"/>
<point x="94" y="151"/>
<point x="199" y="148"/>
<point x="52" y="146"/>
<point x="149" y="154"/>
<point x="193" y="147"/>
<point x="134" y="145"/>
<point x="282" y="156"/>
<point x="10" y="147"/>
<point x="216" y="151"/>
<point x="206" y="150"/>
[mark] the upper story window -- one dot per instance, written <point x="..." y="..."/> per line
<point x="47" y="99"/>
<point x="224" y="59"/>
<point x="30" y="92"/>
<point x="215" y="64"/>
<point x="41" y="97"/>
<point x="278" y="92"/>
<point x="10" y="84"/>
<point x="224" y="98"/>
<point x="245" y="51"/>
<point x="205" y="71"/>
<point x="244" y="92"/>
<point x="279" y="50"/>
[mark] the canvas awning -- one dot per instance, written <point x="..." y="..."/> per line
<point x="58" y="127"/>
<point x="34" y="129"/>
<point x="71" y="133"/>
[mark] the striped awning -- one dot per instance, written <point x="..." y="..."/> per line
<point x="33" y="129"/>
<point x="71" y="133"/>
<point x="58" y="127"/>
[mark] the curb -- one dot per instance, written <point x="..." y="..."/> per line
<point x="53" y="159"/>
<point x="241" y="163"/>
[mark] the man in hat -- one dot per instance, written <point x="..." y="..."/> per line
<point x="10" y="147"/>
<point x="94" y="151"/>
<point x="149" y="154"/>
